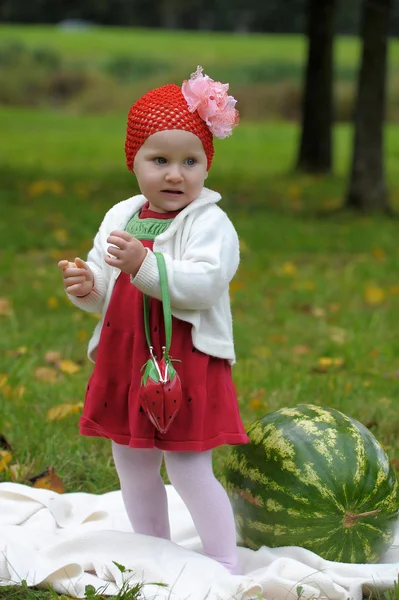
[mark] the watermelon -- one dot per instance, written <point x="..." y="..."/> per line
<point x="315" y="478"/>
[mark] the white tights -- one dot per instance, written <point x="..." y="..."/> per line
<point x="191" y="474"/>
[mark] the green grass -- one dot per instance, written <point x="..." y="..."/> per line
<point x="253" y="168"/>
<point x="299" y="296"/>
<point x="127" y="591"/>
<point x="182" y="47"/>
<point x="317" y="301"/>
<point x="102" y="70"/>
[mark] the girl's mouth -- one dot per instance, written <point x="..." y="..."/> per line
<point x="172" y="192"/>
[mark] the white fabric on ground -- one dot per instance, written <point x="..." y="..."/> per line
<point x="72" y="540"/>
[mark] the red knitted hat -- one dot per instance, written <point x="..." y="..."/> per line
<point x="159" y="110"/>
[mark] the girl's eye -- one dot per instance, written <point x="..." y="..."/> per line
<point x="190" y="162"/>
<point x="160" y="160"/>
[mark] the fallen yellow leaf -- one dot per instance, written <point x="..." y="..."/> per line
<point x="379" y="253"/>
<point x="5" y="307"/>
<point x="301" y="349"/>
<point x="6" y="390"/>
<point x="395" y="462"/>
<point x="318" y="312"/>
<point x="82" y="335"/>
<point x="325" y="362"/>
<point x="308" y="285"/>
<point x="82" y="189"/>
<point x="236" y="285"/>
<point x="332" y="203"/>
<point x="328" y="361"/>
<point x="61" y="235"/>
<point x="46" y="374"/>
<point x="39" y="187"/>
<point x="384" y="401"/>
<point x="13" y="393"/>
<point x="255" y="403"/>
<point x="19" y="391"/>
<point x="278" y="338"/>
<point x="57" y="413"/>
<point x="258" y="393"/>
<point x="5" y="458"/>
<point x="3" y="380"/>
<point x="52" y="302"/>
<point x="294" y="192"/>
<point x="17" y="351"/>
<point x="374" y="295"/>
<point x="261" y="351"/>
<point x="48" y="480"/>
<point x="338" y="335"/>
<point x="288" y="269"/>
<point x="334" y="307"/>
<point x="56" y="254"/>
<point x="53" y="357"/>
<point x="69" y="367"/>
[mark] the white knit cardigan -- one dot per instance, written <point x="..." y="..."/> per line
<point x="201" y="251"/>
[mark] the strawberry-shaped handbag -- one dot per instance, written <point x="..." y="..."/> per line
<point x="160" y="390"/>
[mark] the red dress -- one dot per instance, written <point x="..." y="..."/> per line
<point x="209" y="414"/>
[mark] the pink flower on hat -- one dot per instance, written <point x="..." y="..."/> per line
<point x="210" y="99"/>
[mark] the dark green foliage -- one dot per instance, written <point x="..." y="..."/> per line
<point x="222" y="15"/>
<point x="130" y="68"/>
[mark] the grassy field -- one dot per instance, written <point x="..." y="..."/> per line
<point x="100" y="70"/>
<point x="183" y="48"/>
<point x="253" y="168"/>
<point x="315" y="300"/>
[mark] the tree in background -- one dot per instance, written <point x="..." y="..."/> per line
<point x="317" y="109"/>
<point x="221" y="15"/>
<point x="274" y="16"/>
<point x="367" y="187"/>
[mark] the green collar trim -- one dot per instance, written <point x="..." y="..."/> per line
<point x="146" y="229"/>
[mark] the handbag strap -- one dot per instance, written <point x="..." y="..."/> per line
<point x="167" y="313"/>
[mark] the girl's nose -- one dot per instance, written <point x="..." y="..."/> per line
<point x="174" y="173"/>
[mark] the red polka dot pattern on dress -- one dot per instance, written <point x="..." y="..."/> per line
<point x="162" y="109"/>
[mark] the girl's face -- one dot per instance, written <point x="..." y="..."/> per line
<point x="171" y="169"/>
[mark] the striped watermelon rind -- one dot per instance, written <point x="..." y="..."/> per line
<point x="315" y="478"/>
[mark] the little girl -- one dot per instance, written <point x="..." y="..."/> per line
<point x="169" y="147"/>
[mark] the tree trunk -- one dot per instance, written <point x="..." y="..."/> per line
<point x="317" y="109"/>
<point x="170" y="14"/>
<point x="367" y="187"/>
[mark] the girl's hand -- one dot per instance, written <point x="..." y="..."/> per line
<point x="127" y="253"/>
<point x="78" y="277"/>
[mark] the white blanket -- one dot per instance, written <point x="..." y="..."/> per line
<point x="72" y="540"/>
